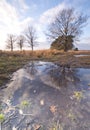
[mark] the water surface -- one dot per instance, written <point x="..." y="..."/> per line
<point x="55" y="97"/>
<point x="80" y="55"/>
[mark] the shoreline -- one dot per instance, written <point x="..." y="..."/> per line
<point x="11" y="62"/>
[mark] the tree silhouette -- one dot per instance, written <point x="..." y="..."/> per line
<point x="20" y="41"/>
<point x="31" y="36"/>
<point x="10" y="41"/>
<point x="59" y="43"/>
<point x="67" y="23"/>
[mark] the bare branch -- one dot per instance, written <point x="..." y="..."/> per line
<point x="20" y="41"/>
<point x="67" y="23"/>
<point x="31" y="36"/>
<point x="10" y="41"/>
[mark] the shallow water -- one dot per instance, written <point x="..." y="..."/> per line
<point x="55" y="98"/>
<point x="81" y="55"/>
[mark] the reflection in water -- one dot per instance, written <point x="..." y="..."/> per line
<point x="63" y="76"/>
<point x="31" y="69"/>
<point x="67" y="108"/>
<point x="60" y="76"/>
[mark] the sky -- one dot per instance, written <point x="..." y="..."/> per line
<point x="17" y="15"/>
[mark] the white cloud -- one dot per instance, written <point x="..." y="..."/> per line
<point x="21" y="4"/>
<point x="10" y="21"/>
<point x="8" y="18"/>
<point x="25" y="23"/>
<point x="13" y="19"/>
<point x="86" y="40"/>
<point x="48" y="16"/>
<point x="7" y="13"/>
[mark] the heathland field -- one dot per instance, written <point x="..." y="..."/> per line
<point x="12" y="61"/>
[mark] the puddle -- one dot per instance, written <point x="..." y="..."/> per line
<point x="44" y="96"/>
<point x="80" y="55"/>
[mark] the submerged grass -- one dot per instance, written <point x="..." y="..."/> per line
<point x="2" y="118"/>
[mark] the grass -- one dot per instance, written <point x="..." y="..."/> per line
<point x="2" y="118"/>
<point x="57" y="126"/>
<point x="78" y="95"/>
<point x="24" y="103"/>
<point x="9" y="63"/>
<point x="12" y="61"/>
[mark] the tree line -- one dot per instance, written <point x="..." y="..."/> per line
<point x="29" y="38"/>
<point x="65" y="29"/>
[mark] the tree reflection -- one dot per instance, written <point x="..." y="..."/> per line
<point x="63" y="75"/>
<point x="34" y="105"/>
<point x="31" y="68"/>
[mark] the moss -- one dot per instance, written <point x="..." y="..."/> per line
<point x="24" y="103"/>
<point x="2" y="118"/>
<point x="78" y="95"/>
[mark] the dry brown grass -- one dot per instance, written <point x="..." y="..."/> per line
<point x="80" y="52"/>
<point x="11" y="61"/>
<point x="35" y="54"/>
<point x="45" y="53"/>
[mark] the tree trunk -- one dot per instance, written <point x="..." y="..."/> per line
<point x="11" y="46"/>
<point x="32" y="48"/>
<point x="0" y="126"/>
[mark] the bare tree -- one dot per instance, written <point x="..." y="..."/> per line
<point x="10" y="41"/>
<point x="67" y="23"/>
<point x="31" y="36"/>
<point x="20" y="41"/>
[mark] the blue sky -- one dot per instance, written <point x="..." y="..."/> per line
<point x="16" y="15"/>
